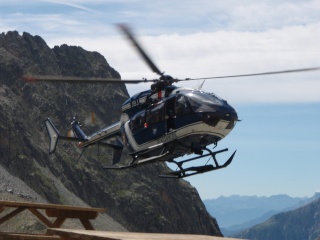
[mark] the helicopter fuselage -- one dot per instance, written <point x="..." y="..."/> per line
<point x="162" y="126"/>
<point x="181" y="120"/>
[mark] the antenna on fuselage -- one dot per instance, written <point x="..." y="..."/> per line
<point x="200" y="86"/>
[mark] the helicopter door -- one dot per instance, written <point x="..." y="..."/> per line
<point x="137" y="124"/>
<point x="170" y="114"/>
<point x="184" y="113"/>
<point x="149" y="124"/>
<point x="155" y="120"/>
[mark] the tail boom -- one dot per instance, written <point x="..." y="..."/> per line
<point x="104" y="133"/>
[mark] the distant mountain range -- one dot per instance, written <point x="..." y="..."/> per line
<point x="298" y="224"/>
<point x="236" y="213"/>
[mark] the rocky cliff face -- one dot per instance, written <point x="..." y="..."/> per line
<point x="137" y="199"/>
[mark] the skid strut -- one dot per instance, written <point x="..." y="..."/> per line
<point x="185" y="172"/>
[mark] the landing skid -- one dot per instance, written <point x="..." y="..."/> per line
<point x="182" y="172"/>
<point x="186" y="172"/>
<point x="136" y="163"/>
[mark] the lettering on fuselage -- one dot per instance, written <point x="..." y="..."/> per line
<point x="167" y="138"/>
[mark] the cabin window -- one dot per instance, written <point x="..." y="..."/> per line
<point x="156" y="114"/>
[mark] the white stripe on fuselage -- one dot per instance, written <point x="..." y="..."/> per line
<point x="196" y="128"/>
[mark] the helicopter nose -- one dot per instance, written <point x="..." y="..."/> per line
<point x="224" y="113"/>
<point x="231" y="116"/>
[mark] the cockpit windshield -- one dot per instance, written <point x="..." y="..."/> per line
<point x="203" y="102"/>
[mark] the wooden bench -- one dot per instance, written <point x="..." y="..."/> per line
<point x="70" y="234"/>
<point x="59" y="212"/>
<point x="25" y="236"/>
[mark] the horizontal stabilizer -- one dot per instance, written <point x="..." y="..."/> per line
<point x="53" y="135"/>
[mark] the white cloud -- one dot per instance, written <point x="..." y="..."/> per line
<point x="201" y="40"/>
<point x="74" y="4"/>
<point x="258" y="16"/>
<point x="223" y="53"/>
<point x="164" y="17"/>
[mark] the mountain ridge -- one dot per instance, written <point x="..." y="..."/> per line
<point x="236" y="213"/>
<point x="137" y="199"/>
<point x="301" y="223"/>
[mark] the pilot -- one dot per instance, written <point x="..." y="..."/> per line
<point x="170" y="120"/>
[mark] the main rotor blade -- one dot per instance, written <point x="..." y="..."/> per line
<point x="81" y="80"/>
<point x="126" y="30"/>
<point x="257" y="74"/>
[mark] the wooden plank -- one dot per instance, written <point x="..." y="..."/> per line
<point x="71" y="213"/>
<point x="86" y="224"/>
<point x="69" y="234"/>
<point x="48" y="206"/>
<point x="12" y="214"/>
<point x="31" y="237"/>
<point x="58" y="222"/>
<point x="41" y="217"/>
<point x="26" y="236"/>
<point x="60" y="212"/>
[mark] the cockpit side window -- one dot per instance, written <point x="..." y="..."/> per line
<point x="203" y="102"/>
<point x="182" y="106"/>
<point x="138" y="120"/>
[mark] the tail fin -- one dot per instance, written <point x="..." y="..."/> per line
<point x="77" y="130"/>
<point x="53" y="134"/>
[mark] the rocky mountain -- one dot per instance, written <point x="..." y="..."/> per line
<point x="302" y="223"/>
<point x="136" y="200"/>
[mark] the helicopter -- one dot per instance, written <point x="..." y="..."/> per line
<point x="160" y="124"/>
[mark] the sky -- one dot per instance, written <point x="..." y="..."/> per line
<point x="278" y="139"/>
